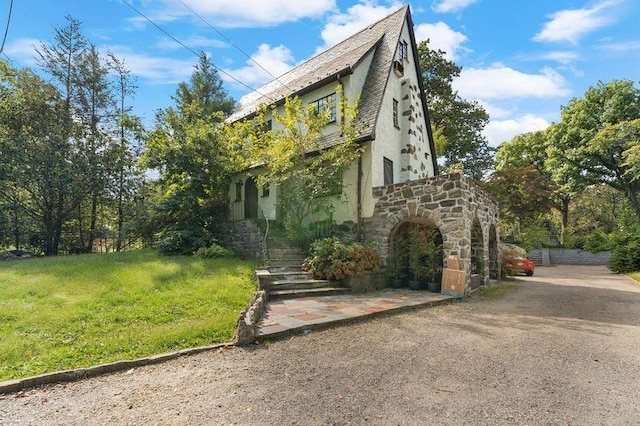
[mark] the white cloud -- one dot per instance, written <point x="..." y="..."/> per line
<point x="498" y="131"/>
<point x="446" y="6"/>
<point x="339" y="26"/>
<point x="155" y="69"/>
<point x="571" y="24"/>
<point x="277" y="60"/>
<point x="563" y="57"/>
<point x="22" y="50"/>
<point x="195" y="42"/>
<point x="245" y="13"/>
<point x="622" y="47"/>
<point x="441" y="37"/>
<point x="502" y="82"/>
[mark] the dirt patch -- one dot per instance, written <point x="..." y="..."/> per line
<point x="560" y="348"/>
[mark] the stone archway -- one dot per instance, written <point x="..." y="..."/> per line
<point x="494" y="255"/>
<point x="403" y="253"/>
<point x="451" y="203"/>
<point x="477" y="254"/>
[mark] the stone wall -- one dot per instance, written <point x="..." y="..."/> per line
<point x="573" y="256"/>
<point x="452" y="203"/>
<point x="243" y="236"/>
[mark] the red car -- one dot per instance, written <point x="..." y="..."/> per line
<point x="520" y="264"/>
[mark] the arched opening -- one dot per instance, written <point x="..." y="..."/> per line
<point x="494" y="261"/>
<point x="477" y="255"/>
<point x="250" y="199"/>
<point x="416" y="256"/>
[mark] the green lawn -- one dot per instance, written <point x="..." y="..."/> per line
<point x="78" y="311"/>
<point x="635" y="276"/>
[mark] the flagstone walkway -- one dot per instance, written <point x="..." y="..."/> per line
<point x="282" y="317"/>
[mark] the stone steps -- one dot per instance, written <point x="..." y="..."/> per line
<point x="283" y="278"/>
<point x="307" y="292"/>
<point x="536" y="258"/>
<point x="297" y="284"/>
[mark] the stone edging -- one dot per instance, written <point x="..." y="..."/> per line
<point x="11" y="386"/>
<point x="248" y="320"/>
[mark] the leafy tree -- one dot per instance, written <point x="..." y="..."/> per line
<point x="291" y="154"/>
<point x="35" y="168"/>
<point x="457" y="123"/>
<point x="130" y="132"/>
<point x="523" y="192"/>
<point x="598" y="137"/>
<point x="528" y="153"/>
<point x="187" y="149"/>
<point x="96" y="148"/>
<point x="61" y="60"/>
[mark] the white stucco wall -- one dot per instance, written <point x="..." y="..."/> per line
<point x="408" y="147"/>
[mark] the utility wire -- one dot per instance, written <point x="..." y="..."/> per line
<point x="193" y="51"/>
<point x="6" y="30"/>
<point x="233" y="44"/>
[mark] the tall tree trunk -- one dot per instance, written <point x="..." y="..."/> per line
<point x="632" y="193"/>
<point x="16" y="226"/>
<point x="59" y="220"/>
<point x="120" y="209"/>
<point x="92" y="221"/>
<point x="565" y="211"/>
<point x="80" y="228"/>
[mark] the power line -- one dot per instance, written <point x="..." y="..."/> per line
<point x="233" y="44"/>
<point x="6" y="30"/>
<point x="191" y="50"/>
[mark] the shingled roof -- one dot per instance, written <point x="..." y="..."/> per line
<point x="340" y="60"/>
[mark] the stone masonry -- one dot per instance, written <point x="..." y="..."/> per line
<point x="243" y="236"/>
<point x="451" y="203"/>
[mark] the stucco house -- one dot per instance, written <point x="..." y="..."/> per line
<point x="395" y="183"/>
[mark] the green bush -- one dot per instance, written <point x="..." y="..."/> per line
<point x="535" y="236"/>
<point x="214" y="251"/>
<point x="625" y="251"/>
<point x="332" y="258"/>
<point x="182" y="240"/>
<point x="597" y="242"/>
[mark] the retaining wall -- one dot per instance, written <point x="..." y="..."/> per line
<point x="573" y="256"/>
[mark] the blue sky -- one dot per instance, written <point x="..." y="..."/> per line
<point x="522" y="59"/>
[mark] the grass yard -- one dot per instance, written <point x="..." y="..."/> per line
<point x="78" y="311"/>
<point x="635" y="276"/>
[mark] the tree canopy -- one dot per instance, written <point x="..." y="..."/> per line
<point x="457" y="123"/>
<point x="187" y="149"/>
<point x="598" y="137"/>
<point x="60" y="144"/>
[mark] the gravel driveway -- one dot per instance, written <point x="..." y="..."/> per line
<point x="562" y="348"/>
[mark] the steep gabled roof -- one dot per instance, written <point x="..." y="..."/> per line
<point x="340" y="60"/>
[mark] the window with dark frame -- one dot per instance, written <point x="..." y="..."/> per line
<point x="265" y="188"/>
<point x="403" y="50"/>
<point x="328" y="103"/>
<point x="388" y="171"/>
<point x="333" y="185"/>
<point x="238" y="191"/>
<point x="395" y="114"/>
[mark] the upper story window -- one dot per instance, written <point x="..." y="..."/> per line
<point x="395" y="114"/>
<point x="403" y="51"/>
<point x="328" y="103"/>
<point x="387" y="168"/>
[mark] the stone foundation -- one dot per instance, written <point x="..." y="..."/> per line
<point x="466" y="216"/>
<point x="242" y="236"/>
